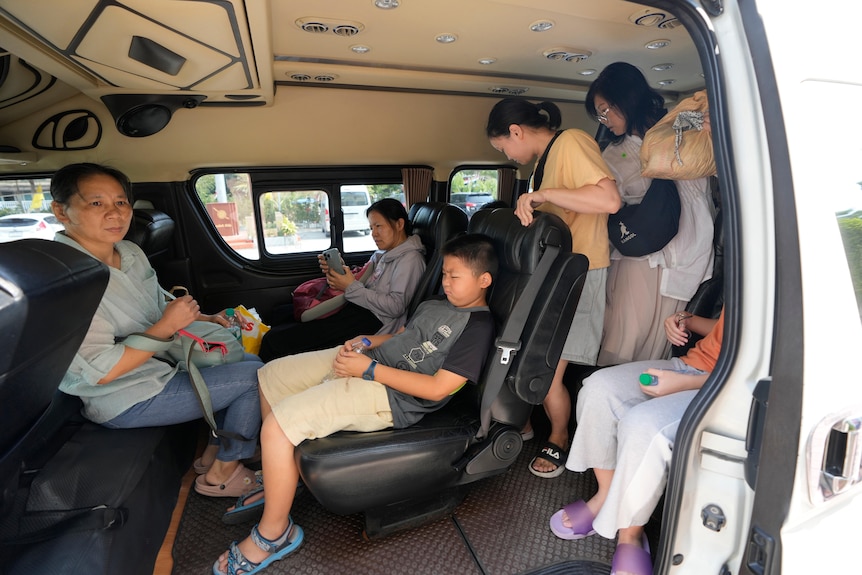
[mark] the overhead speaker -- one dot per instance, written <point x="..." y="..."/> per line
<point x="144" y="120"/>
<point x="141" y="115"/>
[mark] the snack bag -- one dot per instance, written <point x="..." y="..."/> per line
<point x="252" y="329"/>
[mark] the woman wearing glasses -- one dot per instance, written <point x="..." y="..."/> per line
<point x="572" y="181"/>
<point x="643" y="291"/>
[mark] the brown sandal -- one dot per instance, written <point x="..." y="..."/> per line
<point x="240" y="481"/>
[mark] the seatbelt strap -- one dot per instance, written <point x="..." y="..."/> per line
<point x="509" y="342"/>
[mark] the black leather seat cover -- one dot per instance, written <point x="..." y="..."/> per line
<point x="152" y="230"/>
<point x="435" y="223"/>
<point x="350" y="472"/>
<point x="48" y="294"/>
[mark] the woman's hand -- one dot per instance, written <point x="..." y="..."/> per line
<point x="340" y="281"/>
<point x="676" y="331"/>
<point x="221" y="318"/>
<point x="179" y="313"/>
<point x="324" y="267"/>
<point x="527" y="203"/>
<point x="670" y="381"/>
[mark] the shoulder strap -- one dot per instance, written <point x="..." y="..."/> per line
<point x="540" y="166"/>
<point x="509" y="341"/>
<point x="147" y="342"/>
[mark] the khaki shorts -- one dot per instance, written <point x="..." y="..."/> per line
<point x="305" y="408"/>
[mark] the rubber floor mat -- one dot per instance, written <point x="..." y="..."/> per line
<point x="501" y="528"/>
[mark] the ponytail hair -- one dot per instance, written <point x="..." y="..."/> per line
<point x="524" y="113"/>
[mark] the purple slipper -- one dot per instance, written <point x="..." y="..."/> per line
<point x="632" y="559"/>
<point x="579" y="516"/>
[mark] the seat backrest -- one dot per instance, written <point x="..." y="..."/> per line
<point x="48" y="295"/>
<point x="152" y="230"/>
<point x="435" y="223"/>
<point x="520" y="250"/>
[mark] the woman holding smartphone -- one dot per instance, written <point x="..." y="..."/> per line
<point x="378" y="305"/>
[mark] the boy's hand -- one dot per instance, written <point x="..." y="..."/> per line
<point x="348" y="363"/>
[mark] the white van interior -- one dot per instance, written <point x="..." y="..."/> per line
<point x="256" y="134"/>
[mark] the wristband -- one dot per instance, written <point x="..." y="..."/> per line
<point x="682" y="316"/>
<point x="368" y="374"/>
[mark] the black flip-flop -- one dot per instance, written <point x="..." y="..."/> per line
<point x="552" y="453"/>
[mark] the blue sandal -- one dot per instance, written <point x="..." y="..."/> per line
<point x="236" y="561"/>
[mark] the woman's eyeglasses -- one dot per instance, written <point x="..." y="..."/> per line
<point x="602" y="117"/>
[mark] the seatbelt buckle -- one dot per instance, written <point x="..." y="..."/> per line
<point x="507" y="349"/>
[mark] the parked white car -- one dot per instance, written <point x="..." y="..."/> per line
<point x="37" y="225"/>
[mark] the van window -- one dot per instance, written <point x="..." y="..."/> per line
<point x="294" y="218"/>
<point x="473" y="188"/>
<point x="227" y="200"/>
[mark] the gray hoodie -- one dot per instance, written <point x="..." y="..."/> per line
<point x="396" y="275"/>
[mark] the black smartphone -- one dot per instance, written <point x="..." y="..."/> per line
<point x="334" y="261"/>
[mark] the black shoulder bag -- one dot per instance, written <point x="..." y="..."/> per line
<point x="640" y="229"/>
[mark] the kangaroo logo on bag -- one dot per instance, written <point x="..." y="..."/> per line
<point x="625" y="234"/>
<point x="640" y="229"/>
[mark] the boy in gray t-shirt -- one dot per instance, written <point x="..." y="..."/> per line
<point x="402" y="377"/>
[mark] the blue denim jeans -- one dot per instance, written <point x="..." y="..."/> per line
<point x="235" y="399"/>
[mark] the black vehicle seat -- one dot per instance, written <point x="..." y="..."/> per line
<point x="435" y="223"/>
<point x="405" y="477"/>
<point x="48" y="295"/>
<point x="76" y="496"/>
<point x="151" y="229"/>
<point x="709" y="297"/>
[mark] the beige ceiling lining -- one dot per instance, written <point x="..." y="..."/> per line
<point x="212" y="37"/>
<point x="116" y="27"/>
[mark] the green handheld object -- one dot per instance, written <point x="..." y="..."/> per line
<point x="647" y="379"/>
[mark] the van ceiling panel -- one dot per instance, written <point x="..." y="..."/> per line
<point x="201" y="43"/>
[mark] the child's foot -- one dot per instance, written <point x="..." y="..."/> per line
<point x="255" y="552"/>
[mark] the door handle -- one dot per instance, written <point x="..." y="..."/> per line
<point x="834" y="457"/>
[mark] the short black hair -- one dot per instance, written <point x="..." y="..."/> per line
<point x="476" y="251"/>
<point x="65" y="182"/>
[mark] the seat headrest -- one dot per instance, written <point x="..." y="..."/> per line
<point x="435" y="223"/>
<point x="152" y="230"/>
<point x="48" y="296"/>
<point x="518" y="247"/>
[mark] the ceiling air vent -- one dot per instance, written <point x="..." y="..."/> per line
<point x="314" y="27"/>
<point x="562" y="54"/>
<point x="323" y="25"/>
<point x="325" y="78"/>
<point x="346" y="30"/>
<point x="653" y="17"/>
<point x="300" y="77"/>
<point x="508" y="90"/>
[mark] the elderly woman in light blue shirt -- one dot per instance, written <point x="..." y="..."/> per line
<point x="122" y="387"/>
